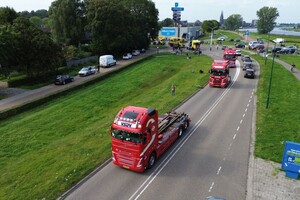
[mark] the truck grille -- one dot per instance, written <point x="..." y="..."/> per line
<point x="125" y="160"/>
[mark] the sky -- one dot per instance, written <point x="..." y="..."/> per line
<point x="195" y="9"/>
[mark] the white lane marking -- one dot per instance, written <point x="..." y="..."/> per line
<point x="244" y="115"/>
<point x="241" y="121"/>
<point x="211" y="187"/>
<point x="234" y="137"/>
<point x="238" y="128"/>
<point x="162" y="165"/>
<point x="219" y="170"/>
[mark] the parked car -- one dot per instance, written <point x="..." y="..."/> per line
<point x="288" y="50"/>
<point x="238" y="52"/>
<point x="230" y="40"/>
<point x="136" y="52"/>
<point x="63" y="79"/>
<point x="249" y="73"/>
<point x="143" y="50"/>
<point x="276" y="49"/>
<point x="87" y="71"/>
<point x="253" y="45"/>
<point x="240" y="45"/>
<point x="221" y="38"/>
<point x="127" y="56"/>
<point x="237" y="40"/>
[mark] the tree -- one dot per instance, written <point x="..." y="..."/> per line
<point x="168" y="22"/>
<point x="210" y="25"/>
<point x="36" y="53"/>
<point x="233" y="22"/>
<point x="120" y="26"/>
<point x="7" y="51"/>
<point x="67" y="19"/>
<point x="7" y="15"/>
<point x="37" y="21"/>
<point x="266" y="19"/>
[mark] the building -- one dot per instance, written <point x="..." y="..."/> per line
<point x="222" y="19"/>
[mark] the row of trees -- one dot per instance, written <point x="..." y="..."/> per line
<point x="109" y="26"/>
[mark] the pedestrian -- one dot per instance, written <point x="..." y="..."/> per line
<point x="217" y="46"/>
<point x="188" y="56"/>
<point x="173" y="88"/>
<point x="293" y="67"/>
<point x="98" y="67"/>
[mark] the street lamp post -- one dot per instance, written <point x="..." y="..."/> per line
<point x="211" y="36"/>
<point x="270" y="81"/>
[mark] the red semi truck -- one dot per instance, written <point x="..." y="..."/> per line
<point x="219" y="74"/>
<point x="139" y="136"/>
<point x="230" y="55"/>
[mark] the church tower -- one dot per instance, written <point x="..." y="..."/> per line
<point x="222" y="19"/>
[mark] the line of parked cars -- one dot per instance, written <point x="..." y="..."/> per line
<point x="128" y="56"/>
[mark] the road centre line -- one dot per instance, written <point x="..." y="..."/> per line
<point x="169" y="157"/>
<point x="211" y="187"/>
<point x="219" y="170"/>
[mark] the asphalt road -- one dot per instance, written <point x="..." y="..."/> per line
<point x="32" y="95"/>
<point x="211" y="159"/>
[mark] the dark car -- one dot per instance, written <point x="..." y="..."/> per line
<point x="240" y="45"/>
<point x="276" y="49"/>
<point x="63" y="79"/>
<point x="249" y="73"/>
<point x="288" y="50"/>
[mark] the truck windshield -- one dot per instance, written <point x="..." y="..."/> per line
<point x="218" y="72"/>
<point x="127" y="136"/>
<point x="229" y="56"/>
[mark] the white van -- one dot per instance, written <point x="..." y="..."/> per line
<point x="107" y="61"/>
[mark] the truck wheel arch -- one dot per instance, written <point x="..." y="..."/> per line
<point x="152" y="160"/>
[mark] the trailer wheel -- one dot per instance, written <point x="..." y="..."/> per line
<point x="152" y="160"/>
<point x="186" y="125"/>
<point x="180" y="131"/>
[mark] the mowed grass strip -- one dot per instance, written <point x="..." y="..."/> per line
<point x="45" y="151"/>
<point x="280" y="122"/>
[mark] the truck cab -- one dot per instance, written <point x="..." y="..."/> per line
<point x="139" y="136"/>
<point x="219" y="74"/>
<point x="230" y="55"/>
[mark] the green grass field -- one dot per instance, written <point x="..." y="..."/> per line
<point x="45" y="151"/>
<point x="280" y="122"/>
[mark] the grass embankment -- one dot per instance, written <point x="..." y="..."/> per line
<point x="280" y="122"/>
<point x="45" y="151"/>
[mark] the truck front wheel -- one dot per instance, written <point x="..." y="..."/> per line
<point x="152" y="160"/>
<point x="180" y="131"/>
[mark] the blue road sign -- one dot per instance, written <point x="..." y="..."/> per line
<point x="168" y="31"/>
<point x="176" y="8"/>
